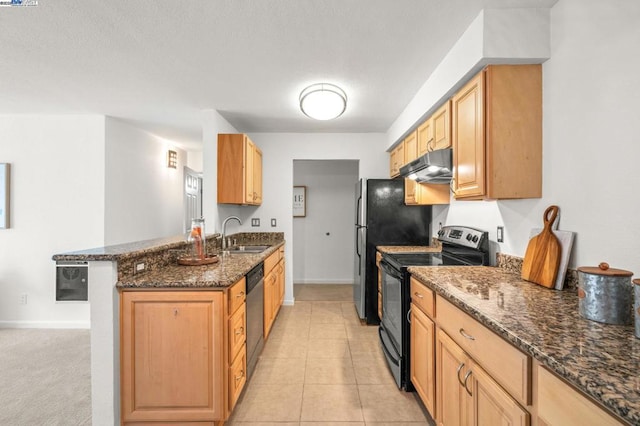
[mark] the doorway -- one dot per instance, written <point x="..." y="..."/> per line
<point x="192" y="196"/>
<point x="323" y="240"/>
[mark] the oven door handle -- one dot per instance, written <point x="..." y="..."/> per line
<point x="389" y="270"/>
<point x="386" y="351"/>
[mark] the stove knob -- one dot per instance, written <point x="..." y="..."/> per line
<point x="441" y="233"/>
<point x="475" y="238"/>
<point x="469" y="237"/>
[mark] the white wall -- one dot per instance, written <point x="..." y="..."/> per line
<point x="330" y="205"/>
<point x="57" y="205"/>
<point x="143" y="197"/>
<point x="590" y="152"/>
<point x="279" y="150"/>
<point x="195" y="160"/>
<point x="495" y="36"/>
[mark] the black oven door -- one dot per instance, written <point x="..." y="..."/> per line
<point x="392" y="315"/>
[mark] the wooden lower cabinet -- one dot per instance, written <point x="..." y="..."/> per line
<point x="423" y="358"/>
<point x="280" y="293"/>
<point x="561" y="405"/>
<point x="378" y="259"/>
<point x="182" y="355"/>
<point x="274" y="282"/>
<point x="451" y="398"/>
<point x="172" y="356"/>
<point x="270" y="292"/>
<point x="467" y="395"/>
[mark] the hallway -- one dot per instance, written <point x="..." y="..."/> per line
<point x="320" y="366"/>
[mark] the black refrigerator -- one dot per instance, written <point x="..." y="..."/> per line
<point x="382" y="218"/>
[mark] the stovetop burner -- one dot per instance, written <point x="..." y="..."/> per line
<point x="461" y="245"/>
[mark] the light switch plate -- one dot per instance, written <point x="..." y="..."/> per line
<point x="273" y="222"/>
<point x="500" y="233"/>
<point x="255" y="222"/>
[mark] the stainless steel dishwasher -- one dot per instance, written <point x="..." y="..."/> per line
<point x="255" y="316"/>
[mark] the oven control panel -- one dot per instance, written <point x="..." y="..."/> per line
<point x="464" y="236"/>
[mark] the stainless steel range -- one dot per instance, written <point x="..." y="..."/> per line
<point x="461" y="246"/>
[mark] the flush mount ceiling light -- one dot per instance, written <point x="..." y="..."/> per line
<point x="323" y="101"/>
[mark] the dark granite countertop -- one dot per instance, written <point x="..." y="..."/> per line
<point x="125" y="251"/>
<point x="229" y="269"/>
<point x="601" y="360"/>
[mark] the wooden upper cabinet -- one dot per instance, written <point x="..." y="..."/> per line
<point x="497" y="134"/>
<point x="468" y="136"/>
<point x="410" y="148"/>
<point x="441" y="120"/>
<point x="396" y="158"/>
<point x="239" y="170"/>
<point x="435" y="132"/>
<point x="425" y="136"/>
<point x="420" y="194"/>
<point x="257" y="175"/>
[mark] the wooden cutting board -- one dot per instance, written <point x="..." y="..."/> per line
<point x="542" y="258"/>
<point x="566" y="244"/>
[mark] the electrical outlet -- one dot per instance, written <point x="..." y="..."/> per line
<point x="139" y="267"/>
<point x="23" y="299"/>
<point x="500" y="234"/>
<point x="273" y="222"/>
<point x="255" y="222"/>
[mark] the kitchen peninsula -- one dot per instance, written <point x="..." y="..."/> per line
<point x="118" y="269"/>
<point x="555" y="346"/>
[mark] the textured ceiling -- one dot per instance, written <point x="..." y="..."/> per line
<point x="159" y="63"/>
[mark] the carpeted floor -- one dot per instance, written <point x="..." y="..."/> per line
<point x="45" y="376"/>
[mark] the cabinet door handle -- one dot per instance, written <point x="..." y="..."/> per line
<point x="466" y="377"/>
<point x="239" y="331"/>
<point x="465" y="335"/>
<point x="409" y="316"/>
<point x="418" y="295"/>
<point x="241" y="294"/>
<point x="460" y="367"/>
<point x="239" y="376"/>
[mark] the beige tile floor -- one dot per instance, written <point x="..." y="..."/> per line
<point x="321" y="366"/>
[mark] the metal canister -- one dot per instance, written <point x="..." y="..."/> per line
<point x="636" y="306"/>
<point x="605" y="294"/>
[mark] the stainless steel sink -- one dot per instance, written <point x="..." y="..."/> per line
<point x="247" y="249"/>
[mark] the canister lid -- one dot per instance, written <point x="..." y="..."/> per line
<point x="636" y="281"/>
<point x="603" y="269"/>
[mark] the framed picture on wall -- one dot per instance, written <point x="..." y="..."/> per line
<point x="5" y="174"/>
<point x="299" y="201"/>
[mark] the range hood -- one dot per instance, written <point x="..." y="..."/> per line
<point x="433" y="167"/>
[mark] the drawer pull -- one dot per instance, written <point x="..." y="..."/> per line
<point x="466" y="377"/>
<point x="460" y="367"/>
<point x="239" y="331"/>
<point x="418" y="295"/>
<point x="465" y="335"/>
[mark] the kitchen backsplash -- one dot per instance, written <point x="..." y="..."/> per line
<point x="154" y="259"/>
<point x="514" y="264"/>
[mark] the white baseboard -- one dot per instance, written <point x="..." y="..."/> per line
<point x="46" y="324"/>
<point x="323" y="281"/>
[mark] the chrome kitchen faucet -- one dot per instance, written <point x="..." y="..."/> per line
<point x="224" y="230"/>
